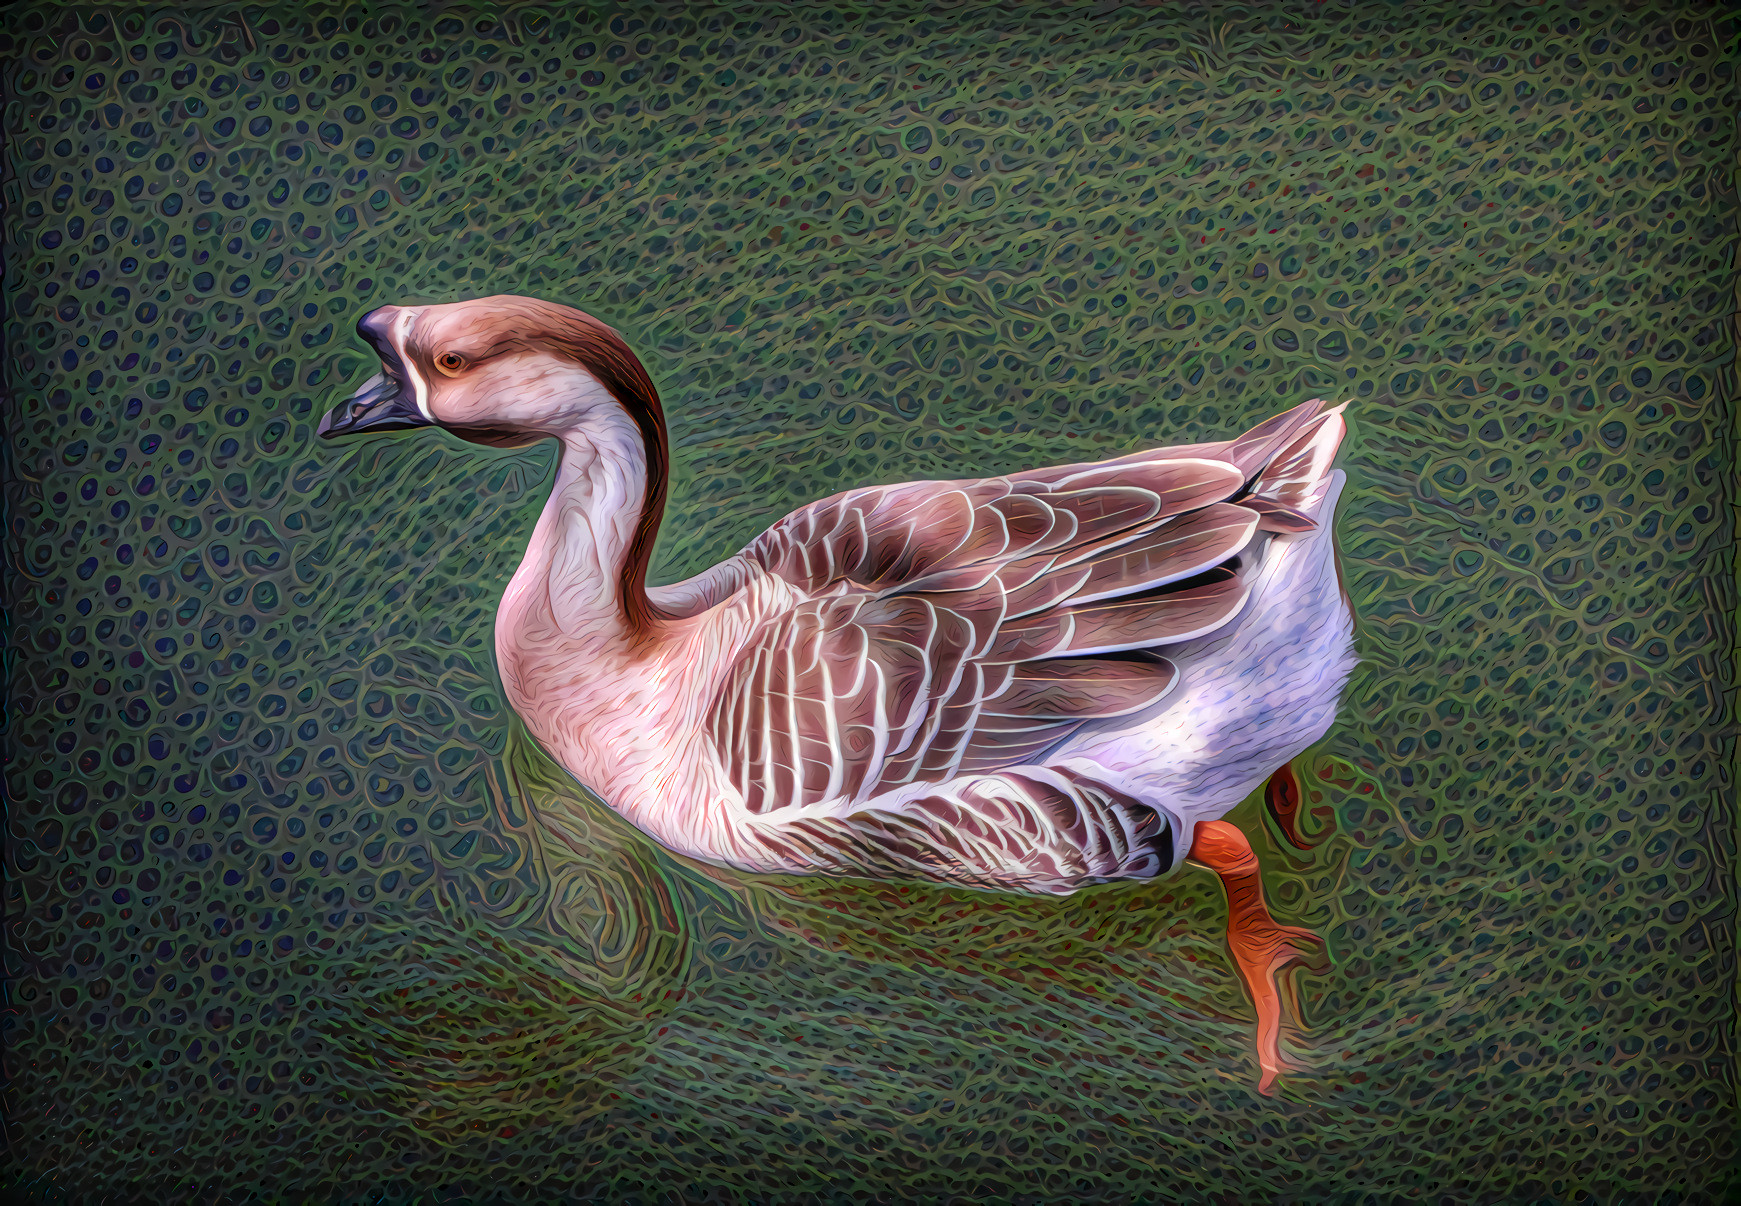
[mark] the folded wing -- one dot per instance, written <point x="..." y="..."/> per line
<point x="965" y="627"/>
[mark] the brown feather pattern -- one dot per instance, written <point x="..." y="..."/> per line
<point x="1024" y="830"/>
<point x="958" y="628"/>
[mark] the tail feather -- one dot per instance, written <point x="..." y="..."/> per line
<point x="1296" y="476"/>
<point x="1259" y="446"/>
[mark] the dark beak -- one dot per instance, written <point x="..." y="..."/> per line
<point x="386" y="401"/>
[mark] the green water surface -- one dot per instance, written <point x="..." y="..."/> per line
<point x="297" y="914"/>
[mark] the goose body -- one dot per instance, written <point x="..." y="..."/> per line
<point x="1030" y="683"/>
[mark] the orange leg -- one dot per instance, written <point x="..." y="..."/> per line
<point x="1261" y="948"/>
<point x="1282" y="796"/>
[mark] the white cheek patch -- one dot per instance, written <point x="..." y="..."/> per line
<point x="400" y="328"/>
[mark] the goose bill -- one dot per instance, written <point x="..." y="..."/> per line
<point x="387" y="401"/>
<point x="382" y="404"/>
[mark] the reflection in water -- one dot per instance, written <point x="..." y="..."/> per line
<point x="517" y="1007"/>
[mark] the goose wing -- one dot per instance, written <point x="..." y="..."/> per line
<point x="951" y="628"/>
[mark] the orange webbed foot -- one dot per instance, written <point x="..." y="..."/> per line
<point x="1261" y="949"/>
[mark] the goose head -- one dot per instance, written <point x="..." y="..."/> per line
<point x="496" y="370"/>
<point x="508" y="371"/>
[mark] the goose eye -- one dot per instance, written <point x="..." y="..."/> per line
<point x="450" y="362"/>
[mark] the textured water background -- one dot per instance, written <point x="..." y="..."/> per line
<point x="294" y="911"/>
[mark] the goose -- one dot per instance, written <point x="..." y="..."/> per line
<point x="1029" y="683"/>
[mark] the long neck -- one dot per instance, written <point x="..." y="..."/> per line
<point x="582" y="581"/>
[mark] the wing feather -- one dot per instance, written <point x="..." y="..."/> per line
<point x="1077" y="688"/>
<point x="1278" y="517"/>
<point x="1181" y="549"/>
<point x="1180" y="485"/>
<point x="1045" y="591"/>
<point x="1107" y="510"/>
<point x="1143" y="623"/>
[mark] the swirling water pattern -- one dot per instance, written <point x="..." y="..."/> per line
<point x="295" y="910"/>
